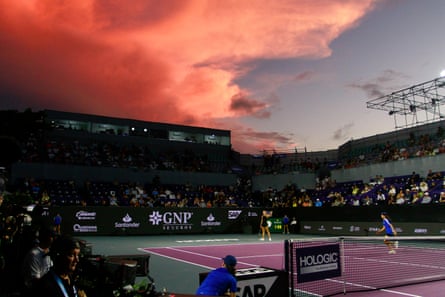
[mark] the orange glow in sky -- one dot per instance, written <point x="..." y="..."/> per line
<point x="170" y="61"/>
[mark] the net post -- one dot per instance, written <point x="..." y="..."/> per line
<point x="289" y="267"/>
<point x="286" y="255"/>
<point x="342" y="262"/>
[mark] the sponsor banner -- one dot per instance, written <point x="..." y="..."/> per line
<point x="257" y="286"/>
<point x="234" y="214"/>
<point x="369" y="228"/>
<point x="211" y="221"/>
<point x="109" y="220"/>
<point x="144" y="221"/>
<point x="85" y="221"/>
<point x="318" y="262"/>
<point x="171" y="220"/>
<point x="259" y="282"/>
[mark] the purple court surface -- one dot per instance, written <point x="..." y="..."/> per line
<point x="177" y="260"/>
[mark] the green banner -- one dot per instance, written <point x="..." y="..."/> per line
<point x="275" y="225"/>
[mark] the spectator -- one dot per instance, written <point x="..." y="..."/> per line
<point x="400" y="198"/>
<point x="339" y="200"/>
<point x="442" y="197"/>
<point x="37" y="261"/>
<point x="60" y="279"/>
<point x="423" y="186"/>
<point x="307" y="201"/>
<point x="381" y="199"/>
<point x="426" y="199"/>
<point x="392" y="192"/>
<point x="112" y="199"/>
<point x="367" y="201"/>
<point x="318" y="203"/>
<point x="355" y="201"/>
<point x="415" y="198"/>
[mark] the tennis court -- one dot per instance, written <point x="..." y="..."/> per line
<point x="177" y="261"/>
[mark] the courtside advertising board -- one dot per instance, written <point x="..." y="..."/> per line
<point x="318" y="262"/>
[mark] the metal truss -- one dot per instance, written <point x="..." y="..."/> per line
<point x="415" y="105"/>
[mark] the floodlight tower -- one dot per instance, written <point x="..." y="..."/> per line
<point x="422" y="103"/>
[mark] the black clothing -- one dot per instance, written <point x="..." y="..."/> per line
<point x="51" y="285"/>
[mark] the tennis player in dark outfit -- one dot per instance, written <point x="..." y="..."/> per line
<point x="221" y="281"/>
<point x="264" y="225"/>
<point x="390" y="231"/>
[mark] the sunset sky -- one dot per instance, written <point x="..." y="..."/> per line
<point x="280" y="74"/>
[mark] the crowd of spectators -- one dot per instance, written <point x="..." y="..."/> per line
<point x="396" y="190"/>
<point x="134" y="194"/>
<point x="39" y="147"/>
<point x="106" y="154"/>
<point x="413" y="146"/>
<point x="400" y="190"/>
<point x="389" y="190"/>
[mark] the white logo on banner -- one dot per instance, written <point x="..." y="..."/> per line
<point x="255" y="287"/>
<point x="211" y="222"/>
<point x="172" y="220"/>
<point x="127" y="222"/>
<point x="234" y="214"/>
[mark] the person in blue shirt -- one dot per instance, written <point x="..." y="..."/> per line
<point x="57" y="223"/>
<point x="390" y="231"/>
<point x="220" y="281"/>
<point x="286" y="222"/>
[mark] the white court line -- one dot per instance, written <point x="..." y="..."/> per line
<point x="180" y="249"/>
<point x="207" y="256"/>
<point x="268" y="243"/>
<point x="208" y="240"/>
<point x="373" y="288"/>
<point x="195" y="254"/>
<point x="212" y="257"/>
<point x="400" y="293"/>
<point x="397" y="262"/>
<point x="179" y="260"/>
<point x="195" y="241"/>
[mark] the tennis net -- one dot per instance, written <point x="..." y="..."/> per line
<point x="329" y="266"/>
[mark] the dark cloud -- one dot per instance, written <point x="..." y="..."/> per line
<point x="257" y="141"/>
<point x="372" y="90"/>
<point x="342" y="134"/>
<point x="304" y="76"/>
<point x="241" y="104"/>
<point x="380" y="86"/>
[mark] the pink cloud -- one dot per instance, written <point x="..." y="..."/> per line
<point x="171" y="61"/>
